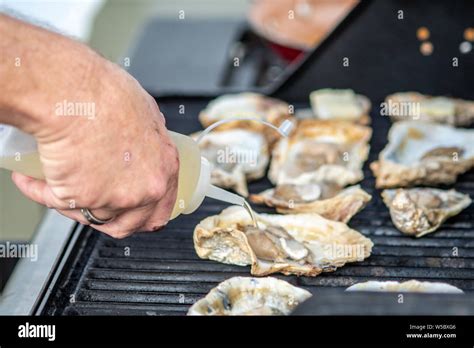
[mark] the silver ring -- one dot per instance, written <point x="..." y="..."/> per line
<point x="92" y="219"/>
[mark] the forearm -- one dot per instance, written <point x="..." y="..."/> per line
<point x="38" y="70"/>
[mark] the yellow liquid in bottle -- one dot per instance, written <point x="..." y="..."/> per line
<point x="190" y="165"/>
<point x="189" y="170"/>
<point x="27" y="164"/>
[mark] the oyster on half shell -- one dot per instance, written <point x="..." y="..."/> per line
<point x="340" y="104"/>
<point x="321" y="151"/>
<point x="419" y="211"/>
<point x="416" y="106"/>
<point x="301" y="244"/>
<point x="250" y="296"/>
<point x="328" y="200"/>
<point x="422" y="153"/>
<point x="237" y="156"/>
<point x="241" y="106"/>
<point x="408" y="286"/>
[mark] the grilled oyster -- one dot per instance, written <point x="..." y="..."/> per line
<point x="321" y="151"/>
<point x="246" y="106"/>
<point x="419" y="211"/>
<point x="416" y="106"/>
<point x="302" y="244"/>
<point x="423" y="153"/>
<point x="328" y="200"/>
<point x="250" y="296"/>
<point x="408" y="286"/>
<point x="340" y="104"/>
<point x="237" y="155"/>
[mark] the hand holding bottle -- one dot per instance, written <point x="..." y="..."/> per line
<point x="119" y="162"/>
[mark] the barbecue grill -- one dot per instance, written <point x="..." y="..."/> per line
<point x="160" y="273"/>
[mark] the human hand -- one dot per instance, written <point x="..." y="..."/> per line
<point x="120" y="162"/>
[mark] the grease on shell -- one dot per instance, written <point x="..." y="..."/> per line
<point x="238" y="108"/>
<point x="326" y="199"/>
<point x="405" y="106"/>
<point x="301" y="244"/>
<point x="340" y="104"/>
<point x="321" y="151"/>
<point x="422" y="153"/>
<point x="419" y="211"/>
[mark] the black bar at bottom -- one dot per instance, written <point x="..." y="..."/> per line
<point x="430" y="330"/>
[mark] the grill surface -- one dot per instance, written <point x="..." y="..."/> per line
<point x="163" y="275"/>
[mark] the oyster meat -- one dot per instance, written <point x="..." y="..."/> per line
<point x="408" y="286"/>
<point x="419" y="211"/>
<point x="238" y="108"/>
<point x="326" y="199"/>
<point x="321" y="151"/>
<point x="301" y="244"/>
<point x="340" y="104"/>
<point x="250" y="296"/>
<point x="237" y="155"/>
<point x="416" y="106"/>
<point x="423" y="153"/>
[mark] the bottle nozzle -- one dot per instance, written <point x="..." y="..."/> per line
<point x="223" y="195"/>
<point x="286" y="127"/>
<point x="226" y="196"/>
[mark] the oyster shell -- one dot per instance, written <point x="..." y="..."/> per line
<point x="237" y="155"/>
<point x="419" y="211"/>
<point x="301" y="244"/>
<point x="416" y="106"/>
<point x="328" y="200"/>
<point x="340" y="104"/>
<point x="408" y="286"/>
<point x="321" y="151"/>
<point x="245" y="106"/>
<point x="423" y="153"/>
<point x="250" y="296"/>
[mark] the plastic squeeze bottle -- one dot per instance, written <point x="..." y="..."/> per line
<point x="194" y="182"/>
<point x="18" y="152"/>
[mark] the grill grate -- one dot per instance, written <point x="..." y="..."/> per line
<point x="164" y="276"/>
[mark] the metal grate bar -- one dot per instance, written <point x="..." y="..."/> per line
<point x="173" y="288"/>
<point x="128" y="296"/>
<point x="375" y="260"/>
<point x="108" y="308"/>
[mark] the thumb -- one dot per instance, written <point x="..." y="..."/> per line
<point x="38" y="191"/>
